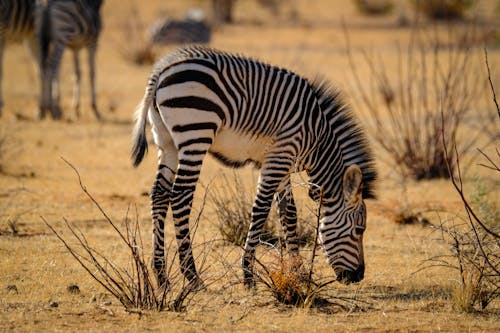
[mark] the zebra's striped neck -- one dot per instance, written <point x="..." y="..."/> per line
<point x="344" y="144"/>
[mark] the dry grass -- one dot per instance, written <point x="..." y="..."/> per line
<point x="36" y="270"/>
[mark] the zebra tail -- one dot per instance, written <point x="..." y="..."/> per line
<point x="140" y="142"/>
<point x="44" y="36"/>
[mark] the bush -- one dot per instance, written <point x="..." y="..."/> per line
<point x="133" y="285"/>
<point x="232" y="203"/>
<point x="474" y="242"/>
<point x="443" y="9"/>
<point x="374" y="7"/>
<point x="403" y="109"/>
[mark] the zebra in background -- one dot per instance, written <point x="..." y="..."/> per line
<point x="242" y="111"/>
<point x="17" y="23"/>
<point x="67" y="23"/>
<point x="190" y="30"/>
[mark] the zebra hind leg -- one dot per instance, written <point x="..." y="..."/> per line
<point x="92" y="51"/>
<point x="190" y="161"/>
<point x="160" y="199"/>
<point x="159" y="204"/>
<point x="76" y="84"/>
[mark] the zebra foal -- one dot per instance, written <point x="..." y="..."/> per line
<point x="199" y="100"/>
<point x="75" y="24"/>
<point x="17" y="23"/>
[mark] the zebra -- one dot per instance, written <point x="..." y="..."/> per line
<point x="67" y="23"/>
<point x="17" y="23"/>
<point x="244" y="111"/>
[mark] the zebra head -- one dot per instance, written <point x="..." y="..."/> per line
<point x="341" y="230"/>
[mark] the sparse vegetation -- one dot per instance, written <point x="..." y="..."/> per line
<point x="403" y="109"/>
<point x="474" y="241"/>
<point x="232" y="204"/>
<point x="133" y="286"/>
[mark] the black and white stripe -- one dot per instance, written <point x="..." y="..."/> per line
<point x="243" y="111"/>
<point x="17" y="21"/>
<point x="75" y="24"/>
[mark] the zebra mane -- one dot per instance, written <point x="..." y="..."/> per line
<point x="352" y="140"/>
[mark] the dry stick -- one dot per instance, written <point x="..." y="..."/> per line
<point x="493" y="165"/>
<point x="491" y="82"/>
<point x="108" y="219"/>
<point x="313" y="254"/>
<point x="103" y="271"/>
<point x="459" y="187"/>
<point x="470" y="212"/>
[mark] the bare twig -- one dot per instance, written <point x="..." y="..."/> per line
<point x="491" y="82"/>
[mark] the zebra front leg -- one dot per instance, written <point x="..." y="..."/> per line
<point x="92" y="51"/>
<point x="76" y="84"/>
<point x="288" y="218"/>
<point x="274" y="170"/>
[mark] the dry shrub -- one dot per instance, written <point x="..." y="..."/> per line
<point x="287" y="279"/>
<point x="135" y="46"/>
<point x="475" y="255"/>
<point x="133" y="285"/>
<point x="232" y="203"/>
<point x="410" y="217"/>
<point x="374" y="7"/>
<point x="403" y="109"/>
<point x="474" y="241"/>
<point x="443" y="9"/>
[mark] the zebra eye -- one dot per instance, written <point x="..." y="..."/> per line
<point x="359" y="229"/>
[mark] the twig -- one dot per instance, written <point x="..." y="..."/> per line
<point x="491" y="82"/>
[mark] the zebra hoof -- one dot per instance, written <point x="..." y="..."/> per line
<point x="249" y="283"/>
<point x="56" y="113"/>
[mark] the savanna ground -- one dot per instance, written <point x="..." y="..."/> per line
<point x="35" y="182"/>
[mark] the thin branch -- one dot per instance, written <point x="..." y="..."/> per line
<point x="491" y="82"/>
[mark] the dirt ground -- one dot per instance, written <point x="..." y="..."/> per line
<point x="35" y="182"/>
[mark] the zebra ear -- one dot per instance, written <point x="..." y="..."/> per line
<point x="353" y="183"/>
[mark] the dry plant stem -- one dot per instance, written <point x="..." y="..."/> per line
<point x="316" y="236"/>
<point x="493" y="165"/>
<point x="491" y="82"/>
<point x="133" y="288"/>
<point x="77" y="258"/>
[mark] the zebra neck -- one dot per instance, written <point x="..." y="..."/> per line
<point x="326" y="169"/>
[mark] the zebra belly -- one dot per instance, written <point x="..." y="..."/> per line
<point x="237" y="149"/>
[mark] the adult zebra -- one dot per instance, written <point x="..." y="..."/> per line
<point x="243" y="111"/>
<point x="17" y="23"/>
<point x="67" y="23"/>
